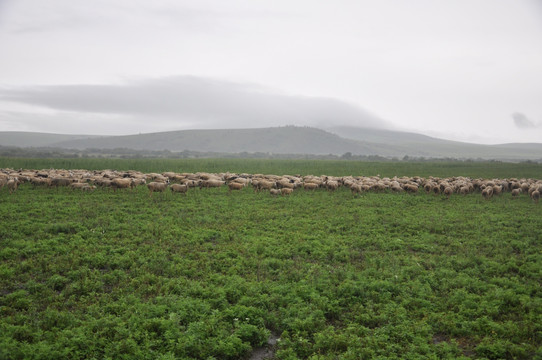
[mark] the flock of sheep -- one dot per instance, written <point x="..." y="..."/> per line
<point x="276" y="185"/>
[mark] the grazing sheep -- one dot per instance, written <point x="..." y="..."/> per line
<point x="60" y="181"/>
<point x="101" y="181"/>
<point x="285" y="183"/>
<point x="356" y="188"/>
<point x="515" y="185"/>
<point x="177" y="178"/>
<point x="169" y="175"/>
<point x="264" y="185"/>
<point x="535" y="195"/>
<point x="525" y="186"/>
<point x="255" y="183"/>
<point x="487" y="193"/>
<point x="158" y="177"/>
<point x="443" y="185"/>
<point x="379" y="186"/>
<point x="241" y="180"/>
<point x="428" y="187"/>
<point x="286" y="191"/>
<point x="396" y="187"/>
<point x="205" y="176"/>
<point x="313" y="180"/>
<point x="235" y="186"/>
<point x="190" y="183"/>
<point x="84" y="179"/>
<point x="213" y="183"/>
<point x="83" y="186"/>
<point x="516" y="192"/>
<point x="12" y="185"/>
<point x="123" y="183"/>
<point x="534" y="187"/>
<point x="179" y="188"/>
<point x="497" y="189"/>
<point x="332" y="185"/>
<point x="411" y="188"/>
<point x="78" y="185"/>
<point x="39" y="181"/>
<point x="156" y="186"/>
<point x="138" y="181"/>
<point x="505" y="185"/>
<point x="310" y="186"/>
<point x="274" y="192"/>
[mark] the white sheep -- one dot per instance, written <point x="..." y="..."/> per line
<point x="274" y="192"/>
<point x="448" y="191"/>
<point x="535" y="195"/>
<point x="12" y="184"/>
<point x="235" y="186"/>
<point x="178" y="188"/>
<point x="310" y="186"/>
<point x="516" y="192"/>
<point x="122" y="183"/>
<point x="286" y="191"/>
<point x="213" y="183"/>
<point x="156" y="186"/>
<point x="487" y="193"/>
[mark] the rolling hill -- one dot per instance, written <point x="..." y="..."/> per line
<point x="414" y="144"/>
<point x="284" y="140"/>
<point x="37" y="139"/>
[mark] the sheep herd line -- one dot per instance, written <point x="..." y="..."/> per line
<point x="86" y="180"/>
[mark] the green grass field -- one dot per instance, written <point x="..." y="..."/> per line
<point x="210" y="275"/>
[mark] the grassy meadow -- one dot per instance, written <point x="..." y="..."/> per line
<point x="213" y="274"/>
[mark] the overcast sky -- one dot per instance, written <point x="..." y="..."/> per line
<point x="468" y="70"/>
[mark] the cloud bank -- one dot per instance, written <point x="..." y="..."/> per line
<point x="194" y="102"/>
<point x="521" y="121"/>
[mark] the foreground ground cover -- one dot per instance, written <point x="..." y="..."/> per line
<point x="213" y="274"/>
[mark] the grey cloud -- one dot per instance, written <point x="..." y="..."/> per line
<point x="101" y="14"/>
<point x="48" y="16"/>
<point x="193" y="100"/>
<point x="522" y="122"/>
<point x="43" y="26"/>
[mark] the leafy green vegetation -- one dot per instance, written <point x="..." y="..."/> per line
<point x="212" y="274"/>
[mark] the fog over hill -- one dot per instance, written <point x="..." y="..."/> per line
<point x="284" y="140"/>
<point x="177" y="102"/>
<point x="280" y="140"/>
<point x="37" y="139"/>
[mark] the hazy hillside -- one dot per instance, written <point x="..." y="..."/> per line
<point x="413" y="144"/>
<point x="35" y="139"/>
<point x="280" y="140"/>
<point x="381" y="136"/>
<point x="284" y="140"/>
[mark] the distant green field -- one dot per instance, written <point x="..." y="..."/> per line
<point x="281" y="167"/>
<point x="210" y="275"/>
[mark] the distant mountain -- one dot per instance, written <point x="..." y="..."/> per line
<point x="280" y="140"/>
<point x="382" y="136"/>
<point x="414" y="144"/>
<point x="36" y="139"/>
<point x="284" y="140"/>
